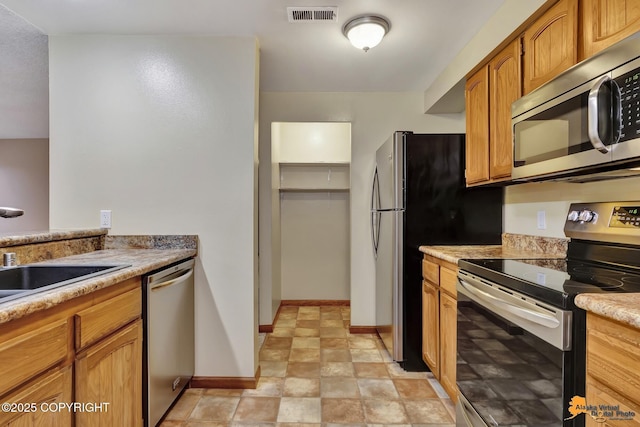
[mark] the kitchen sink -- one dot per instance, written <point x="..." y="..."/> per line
<point x="16" y="281"/>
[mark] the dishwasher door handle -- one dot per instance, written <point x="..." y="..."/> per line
<point x="172" y="282"/>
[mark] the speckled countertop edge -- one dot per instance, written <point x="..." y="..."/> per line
<point x="141" y="261"/>
<point x="624" y="308"/>
<point x="453" y="254"/>
<point x="7" y="240"/>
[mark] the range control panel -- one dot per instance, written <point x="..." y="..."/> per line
<point x="617" y="222"/>
<point x="625" y="217"/>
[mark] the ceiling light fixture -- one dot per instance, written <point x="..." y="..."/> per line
<point x="365" y="32"/>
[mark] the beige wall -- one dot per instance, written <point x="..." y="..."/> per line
<point x="161" y="130"/>
<point x="24" y="183"/>
<point x="373" y="117"/>
<point x="523" y="201"/>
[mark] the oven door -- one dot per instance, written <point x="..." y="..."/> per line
<point x="513" y="357"/>
<point x="572" y="131"/>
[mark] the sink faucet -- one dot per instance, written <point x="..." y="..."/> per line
<point x="6" y="212"/>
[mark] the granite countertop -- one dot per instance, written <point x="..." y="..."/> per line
<point x="141" y="261"/>
<point x="7" y="239"/>
<point x="453" y="254"/>
<point x="624" y="308"/>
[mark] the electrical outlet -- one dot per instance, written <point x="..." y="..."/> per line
<point x="542" y="220"/>
<point x="105" y="219"/>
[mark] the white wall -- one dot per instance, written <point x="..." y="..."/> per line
<point x="523" y="201"/>
<point x="161" y="130"/>
<point x="374" y="117"/>
<point x="24" y="183"/>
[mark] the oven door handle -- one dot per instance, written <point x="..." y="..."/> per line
<point x="525" y="313"/>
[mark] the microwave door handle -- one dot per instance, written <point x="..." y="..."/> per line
<point x="592" y="116"/>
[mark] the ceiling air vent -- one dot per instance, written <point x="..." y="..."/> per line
<point x="312" y="14"/>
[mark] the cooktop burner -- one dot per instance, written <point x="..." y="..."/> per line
<point x="557" y="281"/>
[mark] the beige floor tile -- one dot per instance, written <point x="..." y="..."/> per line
<point x="301" y="387"/>
<point x="336" y="369"/>
<point x="308" y="315"/>
<point x="306" y="332"/>
<point x="309" y="324"/>
<point x="298" y="424"/>
<point x="365" y="355"/>
<point x="309" y="309"/>
<point x="304" y="355"/>
<point x="288" y="315"/>
<point x="362" y="342"/>
<point x="273" y="342"/>
<point x="267" y="386"/>
<point x="331" y="323"/>
<point x="214" y="408"/>
<point x="339" y="387"/>
<point x="286" y="323"/>
<point x="183" y="407"/>
<point x="300" y="410"/>
<point x="334" y="343"/>
<point x="261" y="409"/>
<point x="228" y="392"/>
<point x="370" y="370"/>
<point x="430" y="411"/>
<point x="335" y="355"/>
<point x="205" y="424"/>
<point x="377" y="388"/>
<point x="342" y="411"/>
<point x="330" y="315"/>
<point x="396" y="371"/>
<point x="414" y="389"/>
<point x="333" y="332"/>
<point x="288" y="309"/>
<point x="276" y="368"/>
<point x="283" y="332"/>
<point x="305" y="342"/>
<point x="274" y="354"/>
<point x="384" y="411"/>
<point x="172" y="423"/>
<point x="303" y="369"/>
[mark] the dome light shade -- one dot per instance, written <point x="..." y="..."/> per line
<point x="365" y="32"/>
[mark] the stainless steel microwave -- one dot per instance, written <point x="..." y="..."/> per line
<point x="583" y="125"/>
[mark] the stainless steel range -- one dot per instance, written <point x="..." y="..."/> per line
<point x="521" y="339"/>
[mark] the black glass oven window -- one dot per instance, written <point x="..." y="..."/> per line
<point x="559" y="131"/>
<point x="510" y="376"/>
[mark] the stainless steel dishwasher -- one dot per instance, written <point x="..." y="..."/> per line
<point x="169" y="337"/>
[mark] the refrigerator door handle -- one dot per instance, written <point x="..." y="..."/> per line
<point x="375" y="215"/>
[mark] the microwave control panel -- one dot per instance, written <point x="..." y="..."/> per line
<point x="630" y="98"/>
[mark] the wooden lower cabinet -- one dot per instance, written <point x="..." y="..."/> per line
<point x="448" y="334"/>
<point x="439" y="321"/>
<point x="431" y="328"/>
<point x="111" y="371"/>
<point x="612" y="370"/>
<point x="42" y="397"/>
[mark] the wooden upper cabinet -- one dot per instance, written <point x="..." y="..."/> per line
<point x="505" y="88"/>
<point x="606" y="22"/>
<point x="550" y="44"/>
<point x="477" y="140"/>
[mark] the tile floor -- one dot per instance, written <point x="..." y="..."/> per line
<point x="315" y="373"/>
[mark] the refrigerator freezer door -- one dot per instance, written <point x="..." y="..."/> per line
<point x="390" y="169"/>
<point x="389" y="308"/>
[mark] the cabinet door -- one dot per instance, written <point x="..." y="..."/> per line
<point x="504" y="84"/>
<point x="448" y="324"/>
<point x="606" y="22"/>
<point x="477" y="118"/>
<point x="430" y="328"/>
<point x="111" y="371"/>
<point x="598" y="394"/>
<point x="44" y="393"/>
<point x="550" y="44"/>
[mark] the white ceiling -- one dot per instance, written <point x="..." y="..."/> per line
<point x="425" y="35"/>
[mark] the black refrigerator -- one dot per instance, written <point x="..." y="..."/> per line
<point x="419" y="198"/>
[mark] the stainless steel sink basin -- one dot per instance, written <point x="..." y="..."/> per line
<point x="16" y="281"/>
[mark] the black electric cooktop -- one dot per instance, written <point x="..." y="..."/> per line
<point x="556" y="281"/>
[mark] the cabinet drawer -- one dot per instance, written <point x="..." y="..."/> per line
<point x="448" y="281"/>
<point x="430" y="271"/>
<point x="100" y="320"/>
<point x="25" y="356"/>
